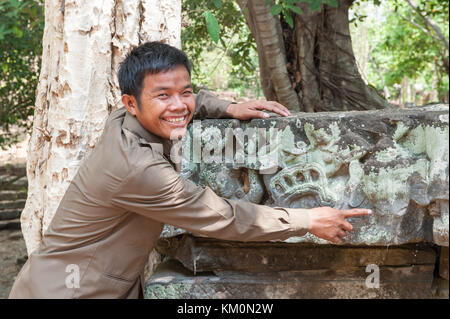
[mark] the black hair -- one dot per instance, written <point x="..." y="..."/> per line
<point x="148" y="58"/>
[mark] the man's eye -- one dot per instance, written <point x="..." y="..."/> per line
<point x="163" y="95"/>
<point x="187" y="92"/>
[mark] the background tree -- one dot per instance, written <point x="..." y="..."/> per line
<point x="306" y="57"/>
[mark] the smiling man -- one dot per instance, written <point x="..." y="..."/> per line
<point x="114" y="210"/>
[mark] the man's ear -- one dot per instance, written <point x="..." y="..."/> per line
<point x="129" y="101"/>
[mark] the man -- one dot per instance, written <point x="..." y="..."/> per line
<point x="113" y="211"/>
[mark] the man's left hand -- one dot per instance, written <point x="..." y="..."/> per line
<point x="254" y="109"/>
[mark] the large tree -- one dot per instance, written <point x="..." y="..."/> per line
<point x="305" y="55"/>
<point x="84" y="41"/>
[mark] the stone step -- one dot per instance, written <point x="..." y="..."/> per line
<point x="8" y="214"/>
<point x="14" y="169"/>
<point x="12" y="195"/>
<point x="13" y="183"/>
<point x="10" y="224"/>
<point x="205" y="254"/>
<point x="12" y="204"/>
<point x="172" y="280"/>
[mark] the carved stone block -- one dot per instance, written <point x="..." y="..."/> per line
<point x="393" y="162"/>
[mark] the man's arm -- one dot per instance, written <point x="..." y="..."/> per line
<point x="155" y="190"/>
<point x="158" y="192"/>
<point x="209" y="106"/>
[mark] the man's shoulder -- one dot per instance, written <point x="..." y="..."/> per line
<point x="119" y="149"/>
<point x="117" y="113"/>
<point x="122" y="150"/>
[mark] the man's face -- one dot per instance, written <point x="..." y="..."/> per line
<point x="167" y="103"/>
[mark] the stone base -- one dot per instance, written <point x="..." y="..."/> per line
<point x="172" y="281"/>
<point x="206" y="254"/>
<point x="440" y="288"/>
<point x="207" y="268"/>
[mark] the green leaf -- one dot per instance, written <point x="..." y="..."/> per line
<point x="289" y="19"/>
<point x="218" y="3"/>
<point x="315" y="5"/>
<point x="295" y="9"/>
<point x="267" y="3"/>
<point x="276" y="9"/>
<point x="17" y="32"/>
<point x="212" y="26"/>
<point x="332" y="3"/>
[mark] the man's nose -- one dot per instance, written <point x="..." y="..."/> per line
<point x="177" y="104"/>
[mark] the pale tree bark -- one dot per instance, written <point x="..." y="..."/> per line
<point x="84" y="41"/>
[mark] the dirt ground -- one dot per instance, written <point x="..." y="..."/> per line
<point x="13" y="255"/>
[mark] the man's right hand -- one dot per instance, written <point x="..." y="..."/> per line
<point x="331" y="224"/>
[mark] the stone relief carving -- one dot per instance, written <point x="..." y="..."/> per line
<point x="395" y="163"/>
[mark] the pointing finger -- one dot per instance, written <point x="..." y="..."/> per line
<point x="356" y="212"/>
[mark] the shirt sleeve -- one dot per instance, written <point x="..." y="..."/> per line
<point x="207" y="105"/>
<point x="158" y="192"/>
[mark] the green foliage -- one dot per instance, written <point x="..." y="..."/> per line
<point x="21" y="30"/>
<point x="403" y="46"/>
<point x="287" y="7"/>
<point x="230" y="59"/>
<point x="435" y="9"/>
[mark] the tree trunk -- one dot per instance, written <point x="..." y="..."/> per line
<point x="267" y="32"/>
<point x="310" y="67"/>
<point x="83" y="43"/>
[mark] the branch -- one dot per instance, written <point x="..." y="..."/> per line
<point x="424" y="30"/>
<point x="430" y="24"/>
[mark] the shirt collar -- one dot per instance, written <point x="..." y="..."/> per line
<point x="158" y="143"/>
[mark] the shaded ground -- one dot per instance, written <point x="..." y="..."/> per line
<point x="13" y="255"/>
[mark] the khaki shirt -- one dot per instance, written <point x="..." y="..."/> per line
<point x="114" y="210"/>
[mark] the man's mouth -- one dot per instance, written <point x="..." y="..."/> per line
<point x="176" y="120"/>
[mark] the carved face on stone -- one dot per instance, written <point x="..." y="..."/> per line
<point x="167" y="103"/>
